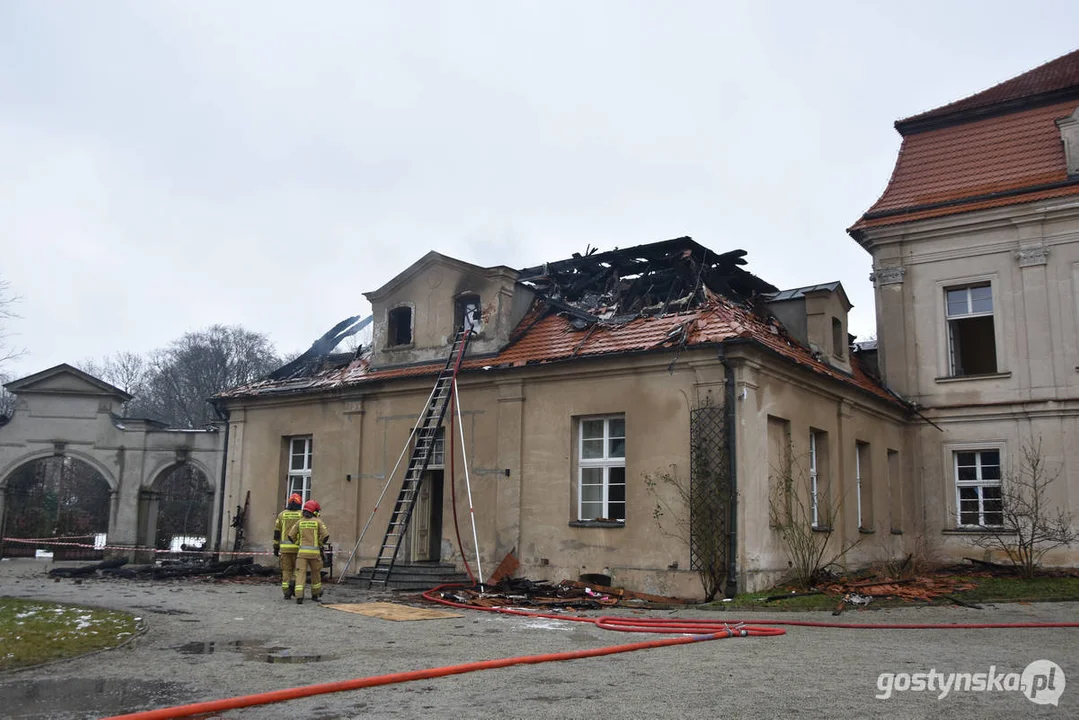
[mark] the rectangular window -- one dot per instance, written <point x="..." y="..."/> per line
<point x="977" y="487"/>
<point x="895" y="492"/>
<point x="601" y="468"/>
<point x="438" y="450"/>
<point x="299" y="467"/>
<point x="971" y="336"/>
<point x="467" y="308"/>
<point x="814" y="503"/>
<point x="399" y="326"/>
<point x="780" y="481"/>
<point x="863" y="485"/>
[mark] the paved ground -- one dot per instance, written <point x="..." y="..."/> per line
<point x="214" y="640"/>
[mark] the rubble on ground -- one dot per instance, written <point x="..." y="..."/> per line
<point x="568" y="594"/>
<point x="166" y="569"/>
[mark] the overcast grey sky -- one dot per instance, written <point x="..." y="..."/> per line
<point x="169" y="165"/>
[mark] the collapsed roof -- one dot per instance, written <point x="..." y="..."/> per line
<point x="666" y="296"/>
<point x="654" y="279"/>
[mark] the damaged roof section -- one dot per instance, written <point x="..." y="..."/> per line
<point x="646" y="280"/>
<point x="662" y="297"/>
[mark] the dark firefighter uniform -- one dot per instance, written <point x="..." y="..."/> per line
<point x="287" y="549"/>
<point x="310" y="533"/>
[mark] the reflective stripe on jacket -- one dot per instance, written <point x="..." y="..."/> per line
<point x="285" y="520"/>
<point x="310" y="534"/>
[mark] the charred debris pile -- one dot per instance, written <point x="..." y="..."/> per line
<point x="166" y="569"/>
<point x="620" y="285"/>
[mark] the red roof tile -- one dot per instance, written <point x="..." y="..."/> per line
<point x="552" y="338"/>
<point x="995" y="148"/>
<point x="1054" y="76"/>
<point x="1003" y="160"/>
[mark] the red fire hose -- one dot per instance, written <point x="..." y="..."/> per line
<point x="691" y="631"/>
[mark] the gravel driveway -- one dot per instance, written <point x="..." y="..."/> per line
<point x="210" y="640"/>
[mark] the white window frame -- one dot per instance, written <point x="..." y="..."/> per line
<point x="605" y="463"/>
<point x="813" y="502"/>
<point x="300" y="476"/>
<point x="978" y="483"/>
<point x="953" y="368"/>
<point x="858" y="480"/>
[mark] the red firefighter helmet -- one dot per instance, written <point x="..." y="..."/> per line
<point x="312" y="507"/>
<point x="295" y="498"/>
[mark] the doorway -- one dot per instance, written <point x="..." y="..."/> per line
<point x="426" y="535"/>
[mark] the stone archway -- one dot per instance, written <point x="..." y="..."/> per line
<point x="177" y="510"/>
<point x="56" y="497"/>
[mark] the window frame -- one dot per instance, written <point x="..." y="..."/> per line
<point x="952" y="368"/>
<point x="814" y="500"/>
<point x="393" y="324"/>
<point x="460" y="306"/>
<point x="304" y="474"/>
<point x="605" y="463"/>
<point x="978" y="483"/>
<point x="858" y="481"/>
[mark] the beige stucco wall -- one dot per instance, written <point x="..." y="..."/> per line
<point x="524" y="421"/>
<point x="1030" y="254"/>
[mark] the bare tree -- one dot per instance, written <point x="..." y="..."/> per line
<point x="807" y="541"/>
<point x="7" y="350"/>
<point x="1030" y="524"/>
<point x="181" y="378"/>
<point x="7" y="400"/>
<point x="126" y="370"/>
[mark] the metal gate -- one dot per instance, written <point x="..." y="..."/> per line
<point x="184" y="504"/>
<point x="60" y="498"/>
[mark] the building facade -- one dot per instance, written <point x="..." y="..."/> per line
<point x="595" y="391"/>
<point x="975" y="246"/>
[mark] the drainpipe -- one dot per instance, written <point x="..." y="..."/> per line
<point x="729" y="423"/>
<point x="225" y="415"/>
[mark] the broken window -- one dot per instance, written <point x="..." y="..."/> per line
<point x="299" y="467"/>
<point x="399" y="326"/>
<point x="977" y="486"/>
<point x="839" y="340"/>
<point x="971" y="335"/>
<point x="601" y="468"/>
<point x="467" y="307"/>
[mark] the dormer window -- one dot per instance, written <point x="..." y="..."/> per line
<point x="1069" y="135"/>
<point x="399" y="326"/>
<point x="839" y="343"/>
<point x="467" y="305"/>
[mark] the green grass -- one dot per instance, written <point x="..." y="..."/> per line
<point x="1015" y="589"/>
<point x="33" y="632"/>
<point x="989" y="589"/>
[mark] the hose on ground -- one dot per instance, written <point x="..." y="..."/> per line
<point x="690" y="630"/>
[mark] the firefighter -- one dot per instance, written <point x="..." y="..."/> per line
<point x="310" y="533"/>
<point x="287" y="550"/>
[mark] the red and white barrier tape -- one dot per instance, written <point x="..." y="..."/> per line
<point x="130" y="548"/>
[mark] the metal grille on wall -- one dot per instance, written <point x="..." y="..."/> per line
<point x="710" y="489"/>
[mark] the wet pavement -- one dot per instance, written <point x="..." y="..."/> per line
<point x="210" y="640"/>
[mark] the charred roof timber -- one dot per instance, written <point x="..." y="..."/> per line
<point x="654" y="279"/>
